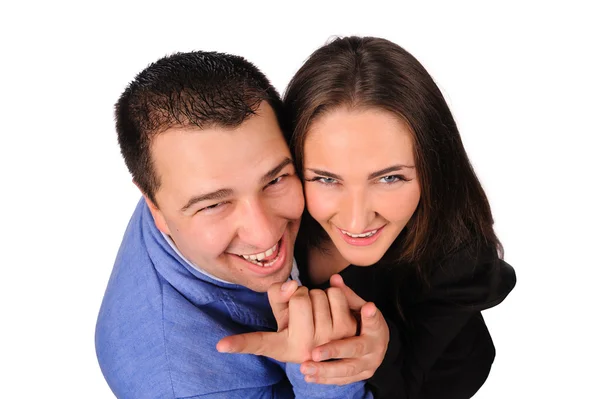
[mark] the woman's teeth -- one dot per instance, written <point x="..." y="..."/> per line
<point x="363" y="235"/>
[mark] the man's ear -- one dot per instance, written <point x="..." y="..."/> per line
<point x="157" y="215"/>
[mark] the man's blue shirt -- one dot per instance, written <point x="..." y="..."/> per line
<point x="160" y="321"/>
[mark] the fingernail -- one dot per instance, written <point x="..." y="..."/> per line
<point x="224" y="348"/>
<point x="371" y="312"/>
<point x="286" y="285"/>
<point x="309" y="370"/>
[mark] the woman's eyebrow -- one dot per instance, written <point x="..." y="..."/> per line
<point x="389" y="169"/>
<point x="325" y="173"/>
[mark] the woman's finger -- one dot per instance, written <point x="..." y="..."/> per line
<point x="345" y="368"/>
<point x="354" y="347"/>
<point x="354" y="301"/>
<point x="365" y="375"/>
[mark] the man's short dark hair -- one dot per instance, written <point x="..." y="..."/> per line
<point x="202" y="89"/>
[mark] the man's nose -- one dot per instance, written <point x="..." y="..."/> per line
<point x="258" y="225"/>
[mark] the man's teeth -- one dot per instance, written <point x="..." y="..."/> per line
<point x="260" y="256"/>
<point x="263" y="264"/>
<point x="363" y="235"/>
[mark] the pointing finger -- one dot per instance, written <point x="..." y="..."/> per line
<point x="257" y="343"/>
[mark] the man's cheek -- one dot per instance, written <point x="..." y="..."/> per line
<point x="292" y="209"/>
<point x="214" y="241"/>
<point x="298" y="201"/>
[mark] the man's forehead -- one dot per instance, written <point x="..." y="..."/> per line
<point x="191" y="161"/>
<point x="217" y="147"/>
<point x="262" y="125"/>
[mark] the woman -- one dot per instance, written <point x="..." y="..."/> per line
<point x="394" y="207"/>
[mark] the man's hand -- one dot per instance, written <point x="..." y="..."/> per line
<point x="305" y="320"/>
<point x="359" y="356"/>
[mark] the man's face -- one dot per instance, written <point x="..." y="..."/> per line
<point x="230" y="199"/>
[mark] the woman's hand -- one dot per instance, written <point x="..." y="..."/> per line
<point x="314" y="326"/>
<point x="358" y="356"/>
<point x="305" y="320"/>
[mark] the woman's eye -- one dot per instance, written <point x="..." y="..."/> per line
<point x="326" y="180"/>
<point x="392" y="179"/>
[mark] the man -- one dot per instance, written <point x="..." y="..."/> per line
<point x="216" y="227"/>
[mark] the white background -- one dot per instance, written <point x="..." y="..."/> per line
<point x="521" y="79"/>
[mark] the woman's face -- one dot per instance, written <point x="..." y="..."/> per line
<point x="360" y="180"/>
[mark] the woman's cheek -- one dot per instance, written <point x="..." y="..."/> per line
<point x="318" y="203"/>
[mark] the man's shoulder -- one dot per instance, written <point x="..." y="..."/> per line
<point x="170" y="343"/>
<point x="159" y="324"/>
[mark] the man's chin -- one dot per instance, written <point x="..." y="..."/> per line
<point x="280" y="277"/>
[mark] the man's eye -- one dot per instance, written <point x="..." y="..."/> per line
<point x="277" y="180"/>
<point x="211" y="207"/>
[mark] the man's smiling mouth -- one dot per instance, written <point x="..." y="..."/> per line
<point x="263" y="259"/>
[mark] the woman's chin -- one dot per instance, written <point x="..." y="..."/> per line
<point x="363" y="259"/>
